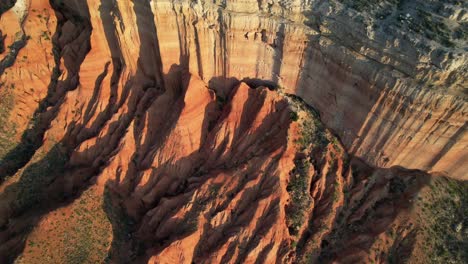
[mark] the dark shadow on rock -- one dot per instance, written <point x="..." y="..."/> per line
<point x="252" y="106"/>
<point x="5" y="5"/>
<point x="401" y="250"/>
<point x="278" y="45"/>
<point x="110" y="13"/>
<point x="336" y="104"/>
<point x="261" y="258"/>
<point x="184" y="57"/>
<point x="15" y="48"/>
<point x="149" y="60"/>
<point x="222" y="85"/>
<point x="255" y="83"/>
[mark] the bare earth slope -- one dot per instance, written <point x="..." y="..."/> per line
<point x="172" y="132"/>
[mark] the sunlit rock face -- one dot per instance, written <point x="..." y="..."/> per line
<point x="231" y="132"/>
<point x="393" y="99"/>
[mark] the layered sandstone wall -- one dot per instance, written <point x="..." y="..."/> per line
<point x="393" y="98"/>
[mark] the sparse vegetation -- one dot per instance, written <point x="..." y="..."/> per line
<point x="313" y="136"/>
<point x="45" y="35"/>
<point x="189" y="223"/>
<point x="461" y="32"/>
<point x="214" y="190"/>
<point x="447" y="229"/>
<point x="416" y="17"/>
<point x="122" y="228"/>
<point x="364" y="5"/>
<point x="79" y="234"/>
<point x="432" y="28"/>
<point x="293" y="116"/>
<point x="7" y="129"/>
<point x="88" y="241"/>
<point x="312" y="133"/>
<point x="336" y="191"/>
<point x="221" y="101"/>
<point x="298" y="189"/>
<point x="37" y="176"/>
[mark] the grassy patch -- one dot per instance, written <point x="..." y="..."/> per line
<point x="313" y="137"/>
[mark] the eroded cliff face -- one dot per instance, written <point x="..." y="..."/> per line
<point x="392" y="89"/>
<point x="394" y="98"/>
<point x="127" y="137"/>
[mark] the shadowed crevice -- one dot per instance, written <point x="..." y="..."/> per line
<point x="198" y="50"/>
<point x="15" y="48"/>
<point x="278" y="45"/>
<point x="5" y="5"/>
<point x="93" y="103"/>
<point x="184" y="57"/>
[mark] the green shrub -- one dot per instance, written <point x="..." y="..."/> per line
<point x="293" y="116"/>
<point x="298" y="189"/>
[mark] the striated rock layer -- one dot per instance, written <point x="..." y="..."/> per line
<point x="127" y="137"/>
<point x="393" y="96"/>
<point x="392" y="99"/>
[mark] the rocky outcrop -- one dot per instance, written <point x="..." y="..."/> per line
<point x="177" y="132"/>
